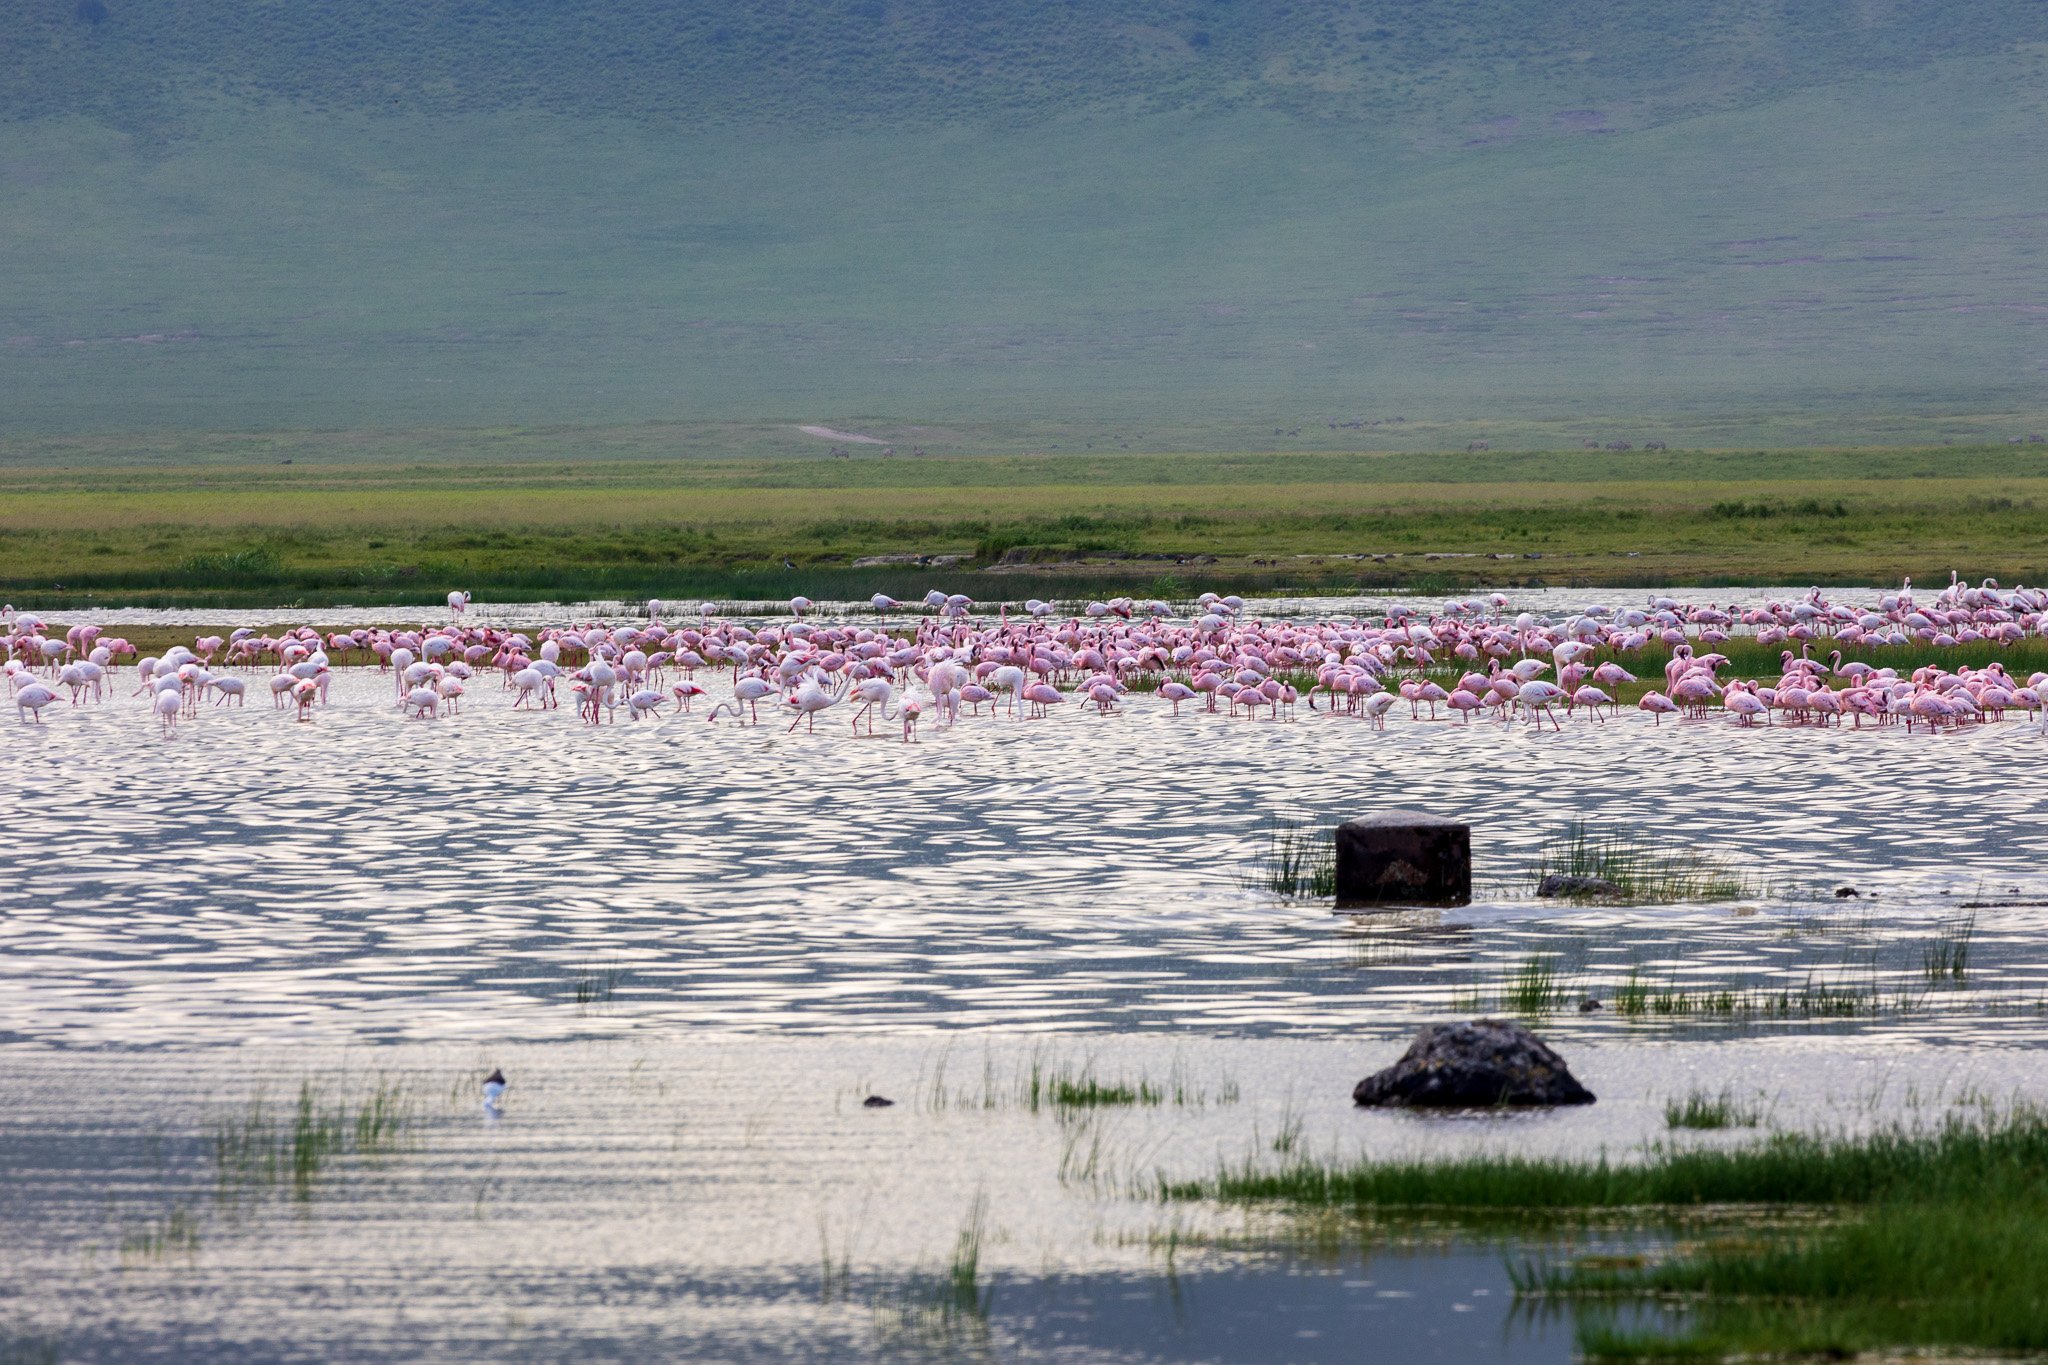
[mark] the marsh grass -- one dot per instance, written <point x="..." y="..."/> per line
<point x="30" y="1348"/>
<point x="1536" y="987"/>
<point x="1299" y="860"/>
<point x="1782" y="1169"/>
<point x="1822" y="1244"/>
<point x="1909" y="1274"/>
<point x="176" y="1233"/>
<point x="1650" y="870"/>
<point x="1047" y="1083"/>
<point x="1814" y="998"/>
<point x="835" y="1280"/>
<point x="1699" y="1110"/>
<point x="594" y="985"/>
<point x="1946" y="959"/>
<point x="261" y="1148"/>
<point x="947" y="1311"/>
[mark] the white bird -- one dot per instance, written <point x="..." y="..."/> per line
<point x="31" y="700"/>
<point x="494" y="1091"/>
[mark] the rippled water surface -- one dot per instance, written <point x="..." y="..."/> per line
<point x="368" y="877"/>
<point x="695" y="947"/>
<point x="706" y="1197"/>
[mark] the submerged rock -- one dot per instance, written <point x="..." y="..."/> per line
<point x="1558" y="884"/>
<point x="1482" y="1063"/>
<point x="1403" y="857"/>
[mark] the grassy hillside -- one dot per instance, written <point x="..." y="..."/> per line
<point x="1049" y="224"/>
<point x="834" y="63"/>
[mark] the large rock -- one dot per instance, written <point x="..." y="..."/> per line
<point x="1483" y="1063"/>
<point x="1403" y="857"/>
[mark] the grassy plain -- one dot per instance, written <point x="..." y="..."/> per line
<point x="1022" y="525"/>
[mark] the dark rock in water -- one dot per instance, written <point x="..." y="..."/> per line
<point x="1589" y="1005"/>
<point x="1558" y="884"/>
<point x="876" y="1102"/>
<point x="1403" y="857"/>
<point x="1843" y="893"/>
<point x="1479" y="1064"/>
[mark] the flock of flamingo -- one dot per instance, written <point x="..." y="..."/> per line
<point x="1471" y="657"/>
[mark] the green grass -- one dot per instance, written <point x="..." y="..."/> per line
<point x="1649" y="869"/>
<point x="1910" y="1273"/>
<point x="1781" y="1169"/>
<point x="1945" y="960"/>
<point x="595" y="985"/>
<point x="946" y="1313"/>
<point x="1045" y="1082"/>
<point x="1927" y="1237"/>
<point x="1813" y="998"/>
<point x="1536" y="987"/>
<point x="259" y="1148"/>
<point x="1150" y="525"/>
<point x="1699" y="1110"/>
<point x="174" y="1234"/>
<point x="1299" y="860"/>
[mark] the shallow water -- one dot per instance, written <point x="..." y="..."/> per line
<point x="765" y="927"/>
<point x="528" y="615"/>
<point x="683" y="1197"/>
<point x="368" y="877"/>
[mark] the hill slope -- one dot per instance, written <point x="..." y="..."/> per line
<point x="1202" y="219"/>
<point x="1390" y="63"/>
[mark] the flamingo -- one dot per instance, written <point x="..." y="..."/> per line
<point x="1040" y="696"/>
<point x="30" y="701"/>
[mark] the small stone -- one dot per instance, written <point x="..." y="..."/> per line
<point x="1558" y="884"/>
<point x="1484" y="1063"/>
<point x="876" y="1102"/>
<point x="1843" y="893"/>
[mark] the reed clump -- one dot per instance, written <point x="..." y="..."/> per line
<point x="1644" y="869"/>
<point x="1702" y="1111"/>
<point x="596" y="985"/>
<point x="174" y="1234"/>
<point x="261" y="1148"/>
<point x="1813" y="998"/>
<point x="1945" y="960"/>
<point x="947" y="1312"/>
<point x="1299" y="860"/>
<point x="1046" y="1082"/>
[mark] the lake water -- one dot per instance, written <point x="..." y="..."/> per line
<point x="695" y="948"/>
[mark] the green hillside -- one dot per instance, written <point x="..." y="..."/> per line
<point x="1207" y="223"/>
<point x="914" y="62"/>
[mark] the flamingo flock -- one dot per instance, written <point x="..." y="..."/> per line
<point x="944" y="663"/>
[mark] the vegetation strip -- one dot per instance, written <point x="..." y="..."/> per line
<point x="1933" y="1237"/>
<point x="1011" y="527"/>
